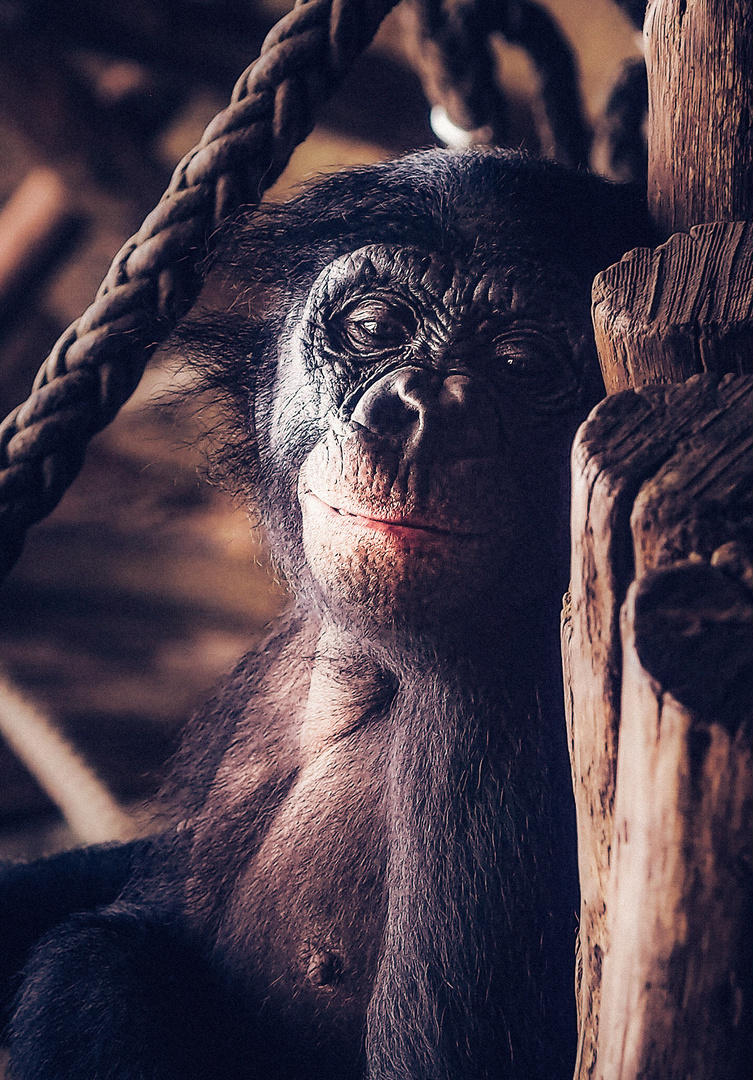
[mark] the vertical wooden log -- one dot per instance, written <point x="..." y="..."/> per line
<point x="677" y="993"/>
<point x="699" y="55"/>
<point x="622" y="444"/>
<point x="660" y="477"/>
<point x="677" y="989"/>
<point x="662" y="765"/>
<point x="686" y="307"/>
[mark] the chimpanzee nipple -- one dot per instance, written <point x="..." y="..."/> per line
<point x="325" y="968"/>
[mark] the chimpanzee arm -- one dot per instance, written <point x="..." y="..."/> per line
<point x="36" y="897"/>
<point x="123" y="993"/>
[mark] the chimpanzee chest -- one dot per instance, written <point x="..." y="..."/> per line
<point x="302" y="928"/>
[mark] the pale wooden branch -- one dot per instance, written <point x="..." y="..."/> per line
<point x="32" y="222"/>
<point x="88" y="807"/>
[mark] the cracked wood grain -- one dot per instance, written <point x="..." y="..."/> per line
<point x="662" y="315"/>
<point x="659" y="667"/>
<point x="699" y="56"/>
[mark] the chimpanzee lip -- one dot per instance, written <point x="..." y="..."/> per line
<point x="397" y="524"/>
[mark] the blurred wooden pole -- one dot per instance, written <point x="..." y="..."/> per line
<point x="33" y="221"/>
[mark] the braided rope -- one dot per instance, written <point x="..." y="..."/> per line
<point x="96" y="364"/>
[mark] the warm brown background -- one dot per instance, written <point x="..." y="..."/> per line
<point x="146" y="583"/>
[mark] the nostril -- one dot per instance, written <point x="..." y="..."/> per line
<point x="393" y="406"/>
<point x="384" y="413"/>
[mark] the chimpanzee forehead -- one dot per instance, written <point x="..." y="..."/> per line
<point x="455" y="282"/>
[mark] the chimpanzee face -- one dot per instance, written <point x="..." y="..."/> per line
<point x="406" y="383"/>
<point x="433" y="402"/>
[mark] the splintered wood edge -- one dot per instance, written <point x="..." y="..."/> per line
<point x="664" y="314"/>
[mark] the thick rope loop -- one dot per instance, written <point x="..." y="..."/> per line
<point x="621" y="149"/>
<point x="529" y="25"/>
<point x="155" y="277"/>
<point x="460" y="67"/>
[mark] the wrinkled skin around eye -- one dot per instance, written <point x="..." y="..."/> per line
<point x="538" y="364"/>
<point x="373" y="325"/>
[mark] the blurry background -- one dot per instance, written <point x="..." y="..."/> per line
<point x="147" y="583"/>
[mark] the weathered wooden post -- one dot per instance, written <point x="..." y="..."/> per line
<point x="658" y="637"/>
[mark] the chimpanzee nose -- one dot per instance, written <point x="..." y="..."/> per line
<point x="416" y="406"/>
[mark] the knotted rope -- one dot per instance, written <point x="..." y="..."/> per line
<point x="155" y="277"/>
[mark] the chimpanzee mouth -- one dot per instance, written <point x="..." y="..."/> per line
<point x="403" y="527"/>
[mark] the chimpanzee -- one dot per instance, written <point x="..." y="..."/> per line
<point x="371" y="871"/>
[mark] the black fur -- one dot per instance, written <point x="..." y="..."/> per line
<point x="385" y="887"/>
<point x="36" y="897"/>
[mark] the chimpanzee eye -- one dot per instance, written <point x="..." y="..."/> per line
<point x="527" y="354"/>
<point x="536" y="363"/>
<point x="372" y="326"/>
